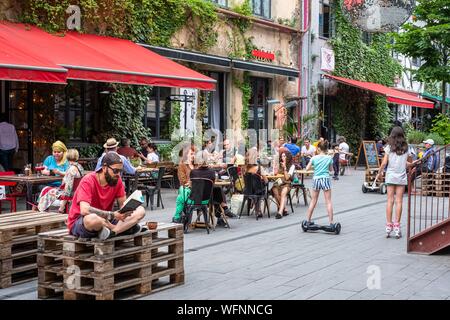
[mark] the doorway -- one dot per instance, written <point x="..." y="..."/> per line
<point x="257" y="109"/>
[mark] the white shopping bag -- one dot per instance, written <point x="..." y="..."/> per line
<point x="236" y="203"/>
<point x="2" y="192"/>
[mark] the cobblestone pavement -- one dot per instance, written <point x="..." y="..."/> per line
<point x="274" y="259"/>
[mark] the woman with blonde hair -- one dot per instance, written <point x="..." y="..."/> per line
<point x="51" y="196"/>
<point x="56" y="164"/>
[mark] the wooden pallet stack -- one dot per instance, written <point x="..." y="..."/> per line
<point x="436" y="184"/>
<point x="18" y="243"/>
<point x="120" y="267"/>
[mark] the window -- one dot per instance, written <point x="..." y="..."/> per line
<point x="222" y="3"/>
<point x="324" y="20"/>
<point x="261" y="8"/>
<point x="158" y="113"/>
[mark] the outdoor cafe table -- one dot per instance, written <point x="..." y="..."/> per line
<point x="304" y="172"/>
<point x="29" y="182"/>
<point x="143" y="174"/>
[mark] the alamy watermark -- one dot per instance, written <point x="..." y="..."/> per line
<point x="374" y="279"/>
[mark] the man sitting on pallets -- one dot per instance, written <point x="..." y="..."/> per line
<point x="90" y="215"/>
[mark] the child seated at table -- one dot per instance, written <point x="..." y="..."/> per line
<point x="50" y="196"/>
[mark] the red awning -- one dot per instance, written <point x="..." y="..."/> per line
<point x="17" y="65"/>
<point x="105" y="59"/>
<point x="392" y="95"/>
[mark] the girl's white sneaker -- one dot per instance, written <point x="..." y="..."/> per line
<point x="397" y="230"/>
<point x="388" y="229"/>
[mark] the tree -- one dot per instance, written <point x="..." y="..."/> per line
<point x="428" y="38"/>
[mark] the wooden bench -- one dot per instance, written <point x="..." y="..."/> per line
<point x="18" y="243"/>
<point x="123" y="267"/>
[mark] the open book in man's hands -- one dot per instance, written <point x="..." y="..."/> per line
<point x="133" y="201"/>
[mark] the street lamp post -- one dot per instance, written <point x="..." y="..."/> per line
<point x="182" y="98"/>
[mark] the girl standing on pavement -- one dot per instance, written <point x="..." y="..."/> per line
<point x="322" y="164"/>
<point x="397" y="158"/>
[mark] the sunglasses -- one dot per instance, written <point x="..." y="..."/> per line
<point x="115" y="170"/>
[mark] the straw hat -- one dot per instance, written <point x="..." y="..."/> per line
<point x="110" y="143"/>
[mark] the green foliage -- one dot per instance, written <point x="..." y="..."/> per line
<point x="175" y="118"/>
<point x="90" y="151"/>
<point x="290" y="128"/>
<point x="240" y="45"/>
<point x="437" y="138"/>
<point x="356" y="60"/>
<point x="149" y="21"/>
<point x="378" y="116"/>
<point x="428" y="40"/>
<point x="246" y="89"/>
<point x="441" y="126"/>
<point x="165" y="151"/>
<point x="349" y="117"/>
<point x="127" y="106"/>
<point x="415" y="136"/>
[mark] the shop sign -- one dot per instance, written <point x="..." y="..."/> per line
<point x="74" y="20"/>
<point x="264" y="56"/>
<point x="327" y="59"/>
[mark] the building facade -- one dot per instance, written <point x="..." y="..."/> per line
<point x="264" y="58"/>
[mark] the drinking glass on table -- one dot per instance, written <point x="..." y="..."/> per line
<point x="38" y="168"/>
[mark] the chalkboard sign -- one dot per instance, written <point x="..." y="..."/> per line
<point x="368" y="154"/>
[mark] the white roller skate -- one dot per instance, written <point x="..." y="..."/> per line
<point x="397" y="230"/>
<point x="388" y="229"/>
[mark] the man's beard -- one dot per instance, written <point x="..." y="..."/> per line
<point x="111" y="180"/>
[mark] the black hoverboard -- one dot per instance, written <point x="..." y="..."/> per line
<point x="333" y="228"/>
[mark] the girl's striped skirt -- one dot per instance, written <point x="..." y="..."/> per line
<point x="322" y="184"/>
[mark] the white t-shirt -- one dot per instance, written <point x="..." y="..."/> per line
<point x="153" y="157"/>
<point x="344" y="149"/>
<point x="396" y="168"/>
<point x="310" y="152"/>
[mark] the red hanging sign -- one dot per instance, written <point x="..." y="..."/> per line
<point x="263" y="55"/>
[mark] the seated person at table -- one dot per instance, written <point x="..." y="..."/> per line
<point x="50" y="195"/>
<point x="127" y="151"/>
<point x="255" y="169"/>
<point x="111" y="147"/>
<point x="152" y="156"/>
<point x="203" y="171"/>
<point x="227" y="158"/>
<point x="292" y="146"/>
<point x="185" y="167"/>
<point x="228" y="154"/>
<point x="282" y="186"/>
<point x="212" y="155"/>
<point x="307" y="152"/>
<point x="56" y="164"/>
<point x="335" y="154"/>
<point x="90" y="215"/>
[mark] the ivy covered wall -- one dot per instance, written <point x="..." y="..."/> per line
<point x="148" y="21"/>
<point x="358" y="114"/>
<point x="188" y="24"/>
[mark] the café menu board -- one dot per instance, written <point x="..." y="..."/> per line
<point x="368" y="154"/>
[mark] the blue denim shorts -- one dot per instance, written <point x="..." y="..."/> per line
<point x="79" y="230"/>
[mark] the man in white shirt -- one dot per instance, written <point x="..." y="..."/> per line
<point x="9" y="143"/>
<point x="344" y="150"/>
<point x="307" y="152"/>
